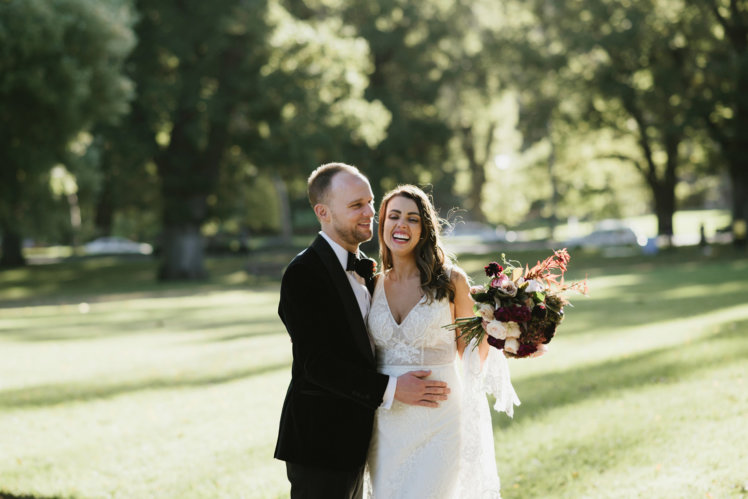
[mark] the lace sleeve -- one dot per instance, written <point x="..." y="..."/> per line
<point x="492" y="378"/>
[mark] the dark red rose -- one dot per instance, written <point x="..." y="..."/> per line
<point x="520" y="314"/>
<point x="493" y="269"/>
<point x="525" y="350"/>
<point x="503" y="314"/>
<point x="496" y="343"/>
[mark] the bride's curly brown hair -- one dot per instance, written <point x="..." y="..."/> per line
<point x="430" y="255"/>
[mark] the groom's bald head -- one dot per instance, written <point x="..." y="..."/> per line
<point x="320" y="180"/>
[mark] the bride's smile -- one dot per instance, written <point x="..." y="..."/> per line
<point x="402" y="225"/>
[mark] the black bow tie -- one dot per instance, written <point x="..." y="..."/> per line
<point x="362" y="266"/>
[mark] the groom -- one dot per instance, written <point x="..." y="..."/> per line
<point x="328" y="414"/>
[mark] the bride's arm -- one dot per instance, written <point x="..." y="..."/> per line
<point x="463" y="307"/>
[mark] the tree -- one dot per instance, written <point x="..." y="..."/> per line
<point x="60" y="72"/>
<point x="233" y="85"/>
<point x="721" y="49"/>
<point x="630" y="71"/>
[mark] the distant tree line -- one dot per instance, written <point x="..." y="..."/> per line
<point x="173" y="119"/>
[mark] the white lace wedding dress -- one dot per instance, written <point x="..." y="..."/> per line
<point x="445" y="452"/>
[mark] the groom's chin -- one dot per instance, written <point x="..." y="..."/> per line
<point x="364" y="235"/>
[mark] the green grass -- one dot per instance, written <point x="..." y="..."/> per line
<point x="114" y="386"/>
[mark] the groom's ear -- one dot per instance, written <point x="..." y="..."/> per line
<point x="322" y="212"/>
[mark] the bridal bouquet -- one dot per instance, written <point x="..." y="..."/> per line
<point x="519" y="308"/>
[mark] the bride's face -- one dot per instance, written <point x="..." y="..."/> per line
<point x="402" y="225"/>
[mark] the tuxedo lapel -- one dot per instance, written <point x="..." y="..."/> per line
<point x="348" y="299"/>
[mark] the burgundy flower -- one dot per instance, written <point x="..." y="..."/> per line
<point x="503" y="314"/>
<point x="496" y="343"/>
<point x="525" y="350"/>
<point x="493" y="269"/>
<point x="520" y="314"/>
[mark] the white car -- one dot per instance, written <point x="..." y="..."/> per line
<point x="605" y="237"/>
<point x="476" y="231"/>
<point x="117" y="246"/>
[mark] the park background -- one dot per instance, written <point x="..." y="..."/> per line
<point x="190" y="128"/>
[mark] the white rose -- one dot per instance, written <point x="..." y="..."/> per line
<point x="511" y="345"/>
<point x="512" y="330"/>
<point x="486" y="312"/>
<point x="496" y="329"/>
<point x="534" y="286"/>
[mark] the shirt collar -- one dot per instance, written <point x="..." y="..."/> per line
<point x="339" y="251"/>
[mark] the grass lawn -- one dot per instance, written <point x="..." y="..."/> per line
<point x="114" y="386"/>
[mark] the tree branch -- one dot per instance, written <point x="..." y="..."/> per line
<point x="715" y="10"/>
<point x="623" y="157"/>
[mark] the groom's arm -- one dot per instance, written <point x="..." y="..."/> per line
<point x="317" y="329"/>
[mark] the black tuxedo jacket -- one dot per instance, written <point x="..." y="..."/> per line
<point x="328" y="413"/>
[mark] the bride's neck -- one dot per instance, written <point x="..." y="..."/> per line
<point x="404" y="268"/>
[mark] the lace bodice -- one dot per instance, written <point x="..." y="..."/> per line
<point x="419" y="339"/>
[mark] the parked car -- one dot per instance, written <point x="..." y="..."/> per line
<point x="476" y="231"/>
<point x="606" y="236"/>
<point x="116" y="246"/>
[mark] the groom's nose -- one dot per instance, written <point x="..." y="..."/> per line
<point x="369" y="211"/>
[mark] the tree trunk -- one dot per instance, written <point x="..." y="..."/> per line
<point x="11" y="254"/>
<point x="12" y="249"/>
<point x="477" y="172"/>
<point x="182" y="244"/>
<point x="284" y="207"/>
<point x="664" y="204"/>
<point x="183" y="253"/>
<point x="104" y="215"/>
<point x="552" y="218"/>
<point x="739" y="183"/>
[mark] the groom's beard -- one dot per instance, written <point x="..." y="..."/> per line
<point x="353" y="235"/>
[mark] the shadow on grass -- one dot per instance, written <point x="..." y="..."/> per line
<point x="177" y="321"/>
<point x="8" y="495"/>
<point x="540" y="394"/>
<point x="64" y="393"/>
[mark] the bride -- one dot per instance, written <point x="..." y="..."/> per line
<point x="421" y="452"/>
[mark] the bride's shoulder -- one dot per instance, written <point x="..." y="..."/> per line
<point x="457" y="276"/>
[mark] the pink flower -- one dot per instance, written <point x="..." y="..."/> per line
<point x="474" y="290"/>
<point x="498" y="282"/>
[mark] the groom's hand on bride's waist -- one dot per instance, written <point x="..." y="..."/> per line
<point x="414" y="389"/>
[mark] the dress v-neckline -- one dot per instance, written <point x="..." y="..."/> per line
<point x="387" y="302"/>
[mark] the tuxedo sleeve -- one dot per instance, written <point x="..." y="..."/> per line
<point x="322" y="340"/>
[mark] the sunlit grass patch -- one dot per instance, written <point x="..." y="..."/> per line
<point x="139" y="390"/>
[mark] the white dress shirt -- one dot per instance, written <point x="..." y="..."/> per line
<point x="363" y="297"/>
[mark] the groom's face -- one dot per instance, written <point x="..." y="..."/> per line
<point x="351" y="204"/>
